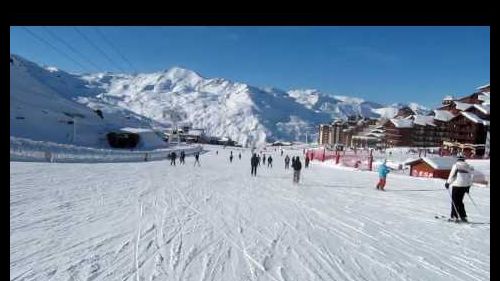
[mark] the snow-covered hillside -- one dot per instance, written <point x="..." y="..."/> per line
<point x="245" y="113"/>
<point x="153" y="221"/>
<point x="248" y="114"/>
<point x="43" y="108"/>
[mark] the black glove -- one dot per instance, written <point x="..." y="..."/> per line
<point x="467" y="189"/>
<point x="447" y="185"/>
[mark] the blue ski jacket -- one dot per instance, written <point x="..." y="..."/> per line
<point x="383" y="170"/>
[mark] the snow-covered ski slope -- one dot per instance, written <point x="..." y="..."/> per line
<point x="153" y="221"/>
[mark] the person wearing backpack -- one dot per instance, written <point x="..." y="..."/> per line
<point x="287" y="162"/>
<point x="297" y="166"/>
<point x="254" y="162"/>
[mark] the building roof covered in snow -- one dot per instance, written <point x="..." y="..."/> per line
<point x="443" y="115"/>
<point x="402" y="123"/>
<point x="448" y="97"/>
<point x="137" y="130"/>
<point x="438" y="163"/>
<point x="424" y="120"/>
<point x="484" y="108"/>
<point x="462" y="105"/>
<point x="376" y="135"/>
<point x="474" y="118"/>
<point x="366" y="137"/>
<point x="195" y="132"/>
<point x="483" y="87"/>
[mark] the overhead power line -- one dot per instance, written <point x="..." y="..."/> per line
<point x="62" y="41"/>
<point x="105" y="39"/>
<point x="83" y="68"/>
<point x="98" y="49"/>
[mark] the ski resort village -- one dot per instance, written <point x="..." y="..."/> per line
<point x="171" y="175"/>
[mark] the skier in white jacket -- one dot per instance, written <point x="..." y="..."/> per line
<point x="460" y="179"/>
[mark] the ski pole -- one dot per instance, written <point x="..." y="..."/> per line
<point x="474" y="203"/>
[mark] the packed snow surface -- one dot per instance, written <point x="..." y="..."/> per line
<point x="154" y="221"/>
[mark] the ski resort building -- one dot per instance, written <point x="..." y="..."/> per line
<point x="324" y="134"/>
<point x="398" y="132"/>
<point x="459" y="125"/>
<point x="343" y="131"/>
<point x="435" y="167"/>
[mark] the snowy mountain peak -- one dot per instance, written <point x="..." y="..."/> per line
<point x="177" y="73"/>
<point x="415" y="107"/>
<point x="245" y="113"/>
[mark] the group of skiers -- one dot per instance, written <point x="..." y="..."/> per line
<point x="231" y="156"/>
<point x="296" y="164"/>
<point x="460" y="178"/>
<point x="173" y="156"/>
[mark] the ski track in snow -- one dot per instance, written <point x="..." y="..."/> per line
<point x="153" y="221"/>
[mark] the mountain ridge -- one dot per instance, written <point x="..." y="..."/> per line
<point x="249" y="114"/>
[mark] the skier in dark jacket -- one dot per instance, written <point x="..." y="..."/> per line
<point x="254" y="162"/>
<point x="297" y="166"/>
<point x="264" y="159"/>
<point x="258" y="160"/>
<point x="269" y="161"/>
<point x="197" y="159"/>
<point x="182" y="157"/>
<point x="173" y="156"/>
<point x="287" y="162"/>
<point x="231" y="157"/>
<point x="307" y="161"/>
<point x="239" y="155"/>
<point x="282" y="152"/>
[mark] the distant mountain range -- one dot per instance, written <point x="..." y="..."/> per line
<point x="248" y="114"/>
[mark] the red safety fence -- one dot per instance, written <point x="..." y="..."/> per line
<point x="357" y="159"/>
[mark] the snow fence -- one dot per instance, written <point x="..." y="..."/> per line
<point x="27" y="150"/>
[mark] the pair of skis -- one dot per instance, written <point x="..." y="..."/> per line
<point x="445" y="218"/>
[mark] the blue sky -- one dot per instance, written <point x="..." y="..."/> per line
<point x="380" y="64"/>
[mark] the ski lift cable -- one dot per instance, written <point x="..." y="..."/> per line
<point x="62" y="41"/>
<point x="38" y="37"/>
<point x="86" y="38"/>
<point x="101" y="34"/>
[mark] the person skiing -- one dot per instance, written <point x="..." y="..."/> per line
<point x="287" y="162"/>
<point x="254" y="161"/>
<point x="307" y="161"/>
<point x="269" y="161"/>
<point x="231" y="157"/>
<point x="460" y="179"/>
<point x="173" y="156"/>
<point x="258" y="158"/>
<point x="216" y="152"/>
<point x="383" y="170"/>
<point x="197" y="159"/>
<point x="282" y="152"/>
<point x="264" y="159"/>
<point x="182" y="157"/>
<point x="297" y="166"/>
<point x="239" y="155"/>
